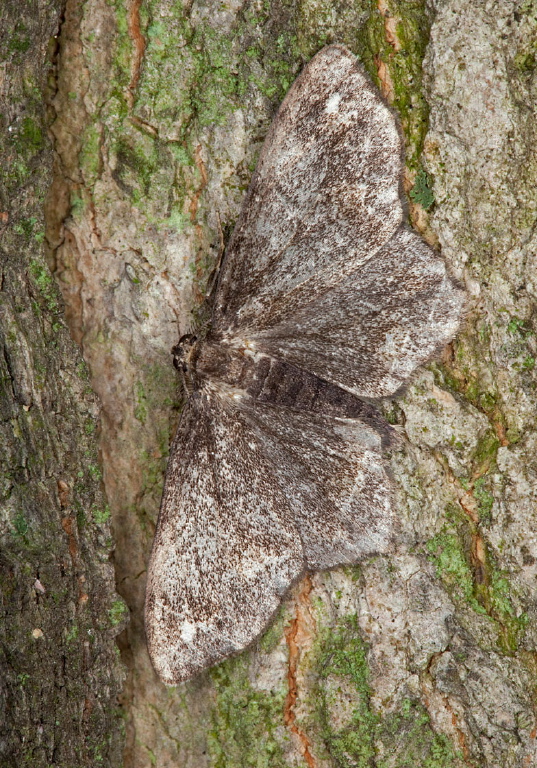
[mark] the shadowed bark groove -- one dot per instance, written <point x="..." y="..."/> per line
<point x="59" y="669"/>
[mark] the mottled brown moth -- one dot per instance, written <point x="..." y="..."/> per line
<point x="325" y="300"/>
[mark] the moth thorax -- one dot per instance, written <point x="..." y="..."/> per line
<point x="184" y="359"/>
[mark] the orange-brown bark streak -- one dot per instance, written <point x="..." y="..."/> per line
<point x="295" y="631"/>
<point x="390" y="32"/>
<point x="459" y="733"/>
<point x="138" y="39"/>
<point x="200" y="165"/>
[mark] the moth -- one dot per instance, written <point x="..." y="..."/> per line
<point x="325" y="301"/>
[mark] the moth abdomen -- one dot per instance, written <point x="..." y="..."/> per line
<point x="270" y="380"/>
<point x="284" y="384"/>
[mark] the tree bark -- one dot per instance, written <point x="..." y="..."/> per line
<point x="157" y="111"/>
<point x="60" y="672"/>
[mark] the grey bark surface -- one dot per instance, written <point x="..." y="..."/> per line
<point x="60" y="674"/>
<point x="426" y="657"/>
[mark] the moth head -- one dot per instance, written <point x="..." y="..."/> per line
<point x="184" y="353"/>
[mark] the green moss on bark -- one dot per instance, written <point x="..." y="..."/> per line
<point x="354" y="734"/>
<point x="401" y="50"/>
<point x="342" y="665"/>
<point x="481" y="584"/>
<point x="247" y="724"/>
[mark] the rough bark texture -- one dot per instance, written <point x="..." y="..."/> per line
<point x="424" y="658"/>
<point x="59" y="614"/>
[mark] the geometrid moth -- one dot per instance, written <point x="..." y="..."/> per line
<point x="325" y="299"/>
